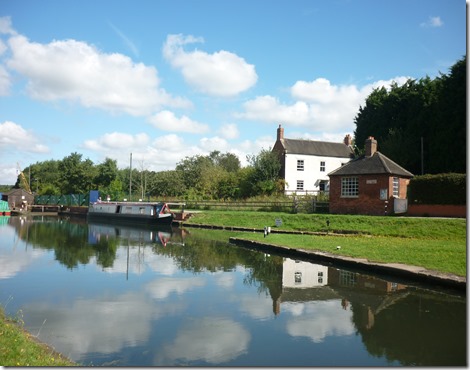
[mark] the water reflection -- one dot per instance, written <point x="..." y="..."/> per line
<point x="144" y="297"/>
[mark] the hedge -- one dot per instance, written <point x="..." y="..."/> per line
<point x="444" y="188"/>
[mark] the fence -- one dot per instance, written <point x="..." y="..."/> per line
<point x="66" y="200"/>
<point x="292" y="206"/>
<point x="295" y="205"/>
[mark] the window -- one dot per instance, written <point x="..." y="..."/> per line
<point x="300" y="165"/>
<point x="349" y="187"/>
<point x="322" y="166"/>
<point x="300" y="184"/>
<point x="396" y="187"/>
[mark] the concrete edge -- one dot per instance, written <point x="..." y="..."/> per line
<point x="404" y="273"/>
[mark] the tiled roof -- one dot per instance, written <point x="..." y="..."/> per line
<point x="374" y="165"/>
<point x="319" y="148"/>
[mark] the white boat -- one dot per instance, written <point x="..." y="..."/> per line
<point x="131" y="212"/>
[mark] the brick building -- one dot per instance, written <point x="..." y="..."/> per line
<point x="370" y="185"/>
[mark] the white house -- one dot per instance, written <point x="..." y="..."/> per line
<point x="305" y="164"/>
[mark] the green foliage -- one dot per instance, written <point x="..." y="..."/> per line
<point x="446" y="188"/>
<point x="425" y="110"/>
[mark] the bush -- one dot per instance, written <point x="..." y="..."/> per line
<point x="444" y="188"/>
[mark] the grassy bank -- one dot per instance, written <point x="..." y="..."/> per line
<point x="435" y="244"/>
<point x="19" y="348"/>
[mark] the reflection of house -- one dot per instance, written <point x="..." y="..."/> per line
<point x="306" y="163"/>
<point x="17" y="197"/>
<point x="299" y="274"/>
<point x="371" y="185"/>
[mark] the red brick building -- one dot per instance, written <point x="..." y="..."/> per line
<point x="370" y="185"/>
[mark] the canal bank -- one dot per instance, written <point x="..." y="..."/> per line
<point x="398" y="271"/>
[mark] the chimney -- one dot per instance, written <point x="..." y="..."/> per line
<point x="371" y="146"/>
<point x="347" y="140"/>
<point x="280" y="133"/>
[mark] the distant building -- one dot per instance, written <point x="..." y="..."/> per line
<point x="370" y="185"/>
<point x="18" y="198"/>
<point x="305" y="164"/>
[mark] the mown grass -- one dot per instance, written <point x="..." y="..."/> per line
<point x="435" y="244"/>
<point x="19" y="348"/>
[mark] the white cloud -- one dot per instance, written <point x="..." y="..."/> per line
<point x="219" y="74"/>
<point x="433" y="22"/>
<point x="5" y="82"/>
<point x="15" y="136"/>
<point x="318" y="105"/>
<point x="229" y="131"/>
<point x="75" y="71"/>
<point x="167" y="121"/>
<point x="117" y="141"/>
<point x="6" y="27"/>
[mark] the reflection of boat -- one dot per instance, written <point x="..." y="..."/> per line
<point x="131" y="212"/>
<point x="140" y="235"/>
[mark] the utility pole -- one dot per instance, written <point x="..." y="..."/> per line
<point x="422" y="157"/>
<point x="130" y="181"/>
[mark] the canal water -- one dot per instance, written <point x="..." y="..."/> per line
<point x="122" y="296"/>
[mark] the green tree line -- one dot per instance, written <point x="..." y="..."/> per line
<point x="421" y="125"/>
<point x="214" y="176"/>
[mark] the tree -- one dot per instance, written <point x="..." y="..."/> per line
<point x="106" y="172"/>
<point x="425" y="111"/>
<point x="266" y="166"/>
<point x="76" y="176"/>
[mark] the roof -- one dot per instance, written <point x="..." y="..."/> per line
<point x="374" y="165"/>
<point x="319" y="148"/>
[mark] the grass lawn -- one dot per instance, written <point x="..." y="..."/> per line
<point x="433" y="243"/>
<point x="19" y="348"/>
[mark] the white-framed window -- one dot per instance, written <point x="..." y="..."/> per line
<point x="349" y="187"/>
<point x="396" y="187"/>
<point x="322" y="166"/>
<point x="300" y="184"/>
<point x="300" y="165"/>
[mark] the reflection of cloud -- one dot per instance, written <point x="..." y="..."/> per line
<point x="140" y="260"/>
<point x="318" y="320"/>
<point x="162" y="288"/>
<point x="224" y="279"/>
<point x="210" y="339"/>
<point x="103" y="326"/>
<point x="16" y="258"/>
<point x="257" y="307"/>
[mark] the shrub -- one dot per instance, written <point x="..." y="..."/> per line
<point x="444" y="188"/>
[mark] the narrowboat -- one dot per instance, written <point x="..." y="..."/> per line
<point x="131" y="212"/>
<point x="4" y="208"/>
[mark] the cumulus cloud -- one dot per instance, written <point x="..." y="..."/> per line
<point x="222" y="73"/>
<point x="117" y="141"/>
<point x="433" y="22"/>
<point x="15" y="136"/>
<point x="167" y="121"/>
<point x="6" y="27"/>
<point x="229" y="131"/>
<point x="75" y="71"/>
<point x="317" y="105"/>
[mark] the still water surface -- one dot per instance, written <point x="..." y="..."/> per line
<point x="123" y="296"/>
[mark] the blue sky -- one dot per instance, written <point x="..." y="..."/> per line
<point x="166" y="79"/>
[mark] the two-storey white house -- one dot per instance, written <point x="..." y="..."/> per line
<point x="305" y="164"/>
